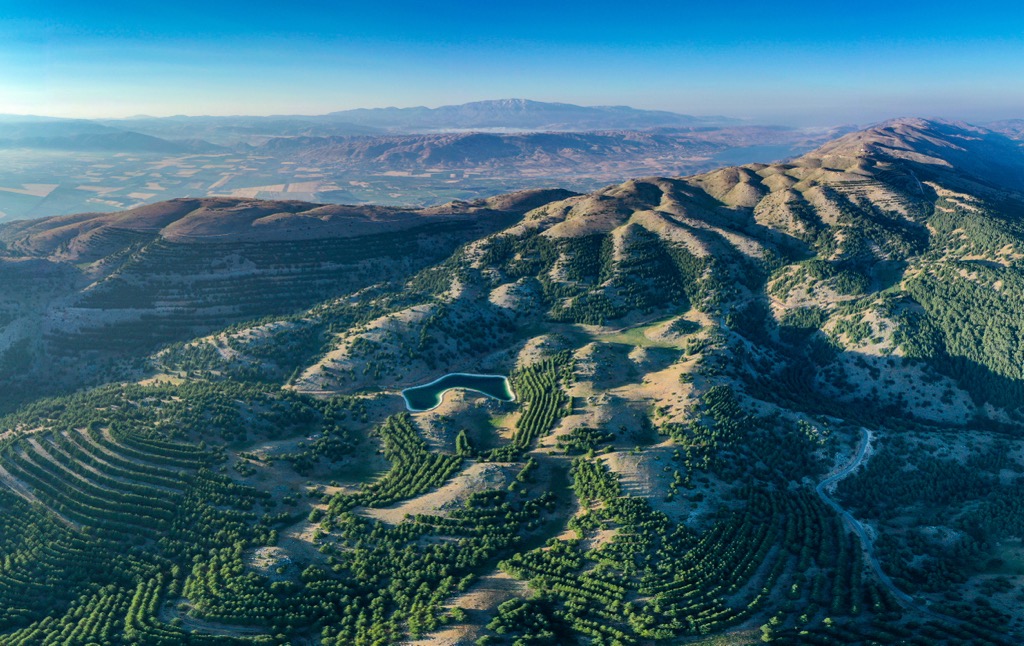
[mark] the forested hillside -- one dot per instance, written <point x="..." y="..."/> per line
<point x="772" y="403"/>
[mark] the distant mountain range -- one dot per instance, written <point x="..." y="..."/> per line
<point x="518" y="152"/>
<point x="503" y="115"/>
<point x="522" y="114"/>
<point x="400" y="156"/>
<point x="411" y="157"/>
<point x="80" y="135"/>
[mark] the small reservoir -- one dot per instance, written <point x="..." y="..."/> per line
<point x="429" y="396"/>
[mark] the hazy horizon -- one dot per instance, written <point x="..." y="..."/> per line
<point x="979" y="116"/>
<point x="835" y="65"/>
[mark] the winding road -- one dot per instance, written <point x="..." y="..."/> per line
<point x="866" y="543"/>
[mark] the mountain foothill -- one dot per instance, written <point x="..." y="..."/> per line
<point x="778" y="402"/>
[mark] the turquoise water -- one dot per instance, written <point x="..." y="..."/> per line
<point x="428" y="396"/>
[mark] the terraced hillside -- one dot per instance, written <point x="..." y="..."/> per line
<point x="772" y="403"/>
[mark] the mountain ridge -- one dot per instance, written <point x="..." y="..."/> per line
<point x="114" y="165"/>
<point x="524" y="114"/>
<point x="774" y="400"/>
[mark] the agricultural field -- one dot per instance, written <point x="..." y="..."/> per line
<point x="38" y="184"/>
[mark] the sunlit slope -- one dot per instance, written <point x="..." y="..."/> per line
<point x="772" y="402"/>
<point x="132" y="281"/>
<point x="843" y="247"/>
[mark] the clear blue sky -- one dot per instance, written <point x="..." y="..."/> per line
<point x="790" y="62"/>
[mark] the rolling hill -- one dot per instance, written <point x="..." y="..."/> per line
<point x="68" y="166"/>
<point x="772" y="402"/>
<point x="168" y="271"/>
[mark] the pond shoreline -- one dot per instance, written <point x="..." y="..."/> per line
<point x="469" y="381"/>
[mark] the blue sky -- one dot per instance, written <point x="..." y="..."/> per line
<point x="778" y="62"/>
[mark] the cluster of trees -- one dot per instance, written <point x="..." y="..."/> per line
<point x="801" y="321"/>
<point x="707" y="444"/>
<point x="293" y="341"/>
<point x="281" y="277"/>
<point x="966" y="496"/>
<point x="538" y="388"/>
<point x="593" y="482"/>
<point x="979" y="311"/>
<point x="876" y="629"/>
<point x="887" y="487"/>
<point x="125" y="465"/>
<point x="414" y="468"/>
<point x="395" y="580"/>
<point x="527" y="622"/>
<point x="841" y="277"/>
<point x="737" y="446"/>
<point x="869" y="233"/>
<point x="121" y="487"/>
<point x="121" y="527"/>
<point x="143" y="418"/>
<point x="775" y="544"/>
<point x="450" y="333"/>
<point x="583" y="439"/>
<point x="581" y="281"/>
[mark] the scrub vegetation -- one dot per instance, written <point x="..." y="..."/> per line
<point x="773" y="403"/>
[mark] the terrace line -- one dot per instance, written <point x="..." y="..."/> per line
<point x="419" y="399"/>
